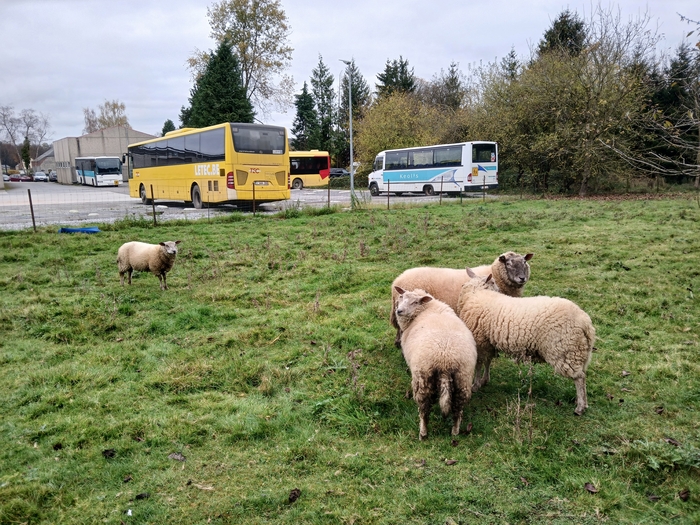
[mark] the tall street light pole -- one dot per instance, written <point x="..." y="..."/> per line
<point x="352" y="164"/>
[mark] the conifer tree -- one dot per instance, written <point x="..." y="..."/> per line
<point x="396" y="78"/>
<point x="360" y="103"/>
<point x="324" y="98"/>
<point x="218" y="95"/>
<point x="168" y="125"/>
<point x="306" y="121"/>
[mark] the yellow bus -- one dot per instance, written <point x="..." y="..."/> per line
<point x="226" y="163"/>
<point x="309" y="168"/>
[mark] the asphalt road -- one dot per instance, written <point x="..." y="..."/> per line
<point x="64" y="205"/>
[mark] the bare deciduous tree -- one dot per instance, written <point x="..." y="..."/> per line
<point x="111" y="113"/>
<point x="29" y="126"/>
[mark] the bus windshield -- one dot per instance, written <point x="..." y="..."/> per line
<point x="106" y="166"/>
<point x="258" y="139"/>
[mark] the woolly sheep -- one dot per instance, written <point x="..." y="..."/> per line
<point x="440" y="352"/>
<point x="543" y="329"/>
<point x="140" y="256"/>
<point x="510" y="271"/>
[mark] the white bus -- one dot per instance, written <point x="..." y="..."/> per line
<point x="99" y="171"/>
<point x="447" y="168"/>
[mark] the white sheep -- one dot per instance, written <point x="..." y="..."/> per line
<point x="510" y="270"/>
<point x="142" y="257"/>
<point x="541" y="329"/>
<point x="440" y="352"/>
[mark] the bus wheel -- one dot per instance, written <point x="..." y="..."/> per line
<point x="297" y="184"/>
<point x="374" y="189"/>
<point x="196" y="197"/>
<point x="428" y="190"/>
<point x="142" y="194"/>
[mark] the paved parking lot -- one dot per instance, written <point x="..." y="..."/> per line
<point x="63" y="205"/>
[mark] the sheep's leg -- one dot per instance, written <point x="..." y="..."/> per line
<point x="581" y="397"/>
<point x="160" y="279"/>
<point x="397" y="341"/>
<point x="422" y="398"/>
<point x="165" y="284"/>
<point x="456" y="417"/>
<point x="129" y="272"/>
<point x="486" y="377"/>
<point x="121" y="278"/>
<point x="482" y="374"/>
<point x="423" y="413"/>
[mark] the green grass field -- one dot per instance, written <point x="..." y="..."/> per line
<point x="269" y="366"/>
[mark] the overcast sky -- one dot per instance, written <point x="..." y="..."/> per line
<point x="60" y="56"/>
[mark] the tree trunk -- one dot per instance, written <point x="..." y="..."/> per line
<point x="697" y="161"/>
<point x="583" y="191"/>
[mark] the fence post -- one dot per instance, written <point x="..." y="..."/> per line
<point x="483" y="189"/>
<point x="153" y="206"/>
<point x="388" y="191"/>
<point x="31" y="208"/>
<point x="329" y="191"/>
<point x="442" y="181"/>
<point x="253" y="198"/>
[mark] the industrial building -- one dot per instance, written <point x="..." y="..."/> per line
<point x="111" y="142"/>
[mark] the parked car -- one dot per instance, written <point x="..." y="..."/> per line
<point x="40" y="176"/>
<point x="5" y="177"/>
<point x="339" y="172"/>
<point x="20" y="177"/>
<point x="53" y="176"/>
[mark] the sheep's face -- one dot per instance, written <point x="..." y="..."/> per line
<point x="476" y="283"/>
<point x="517" y="269"/>
<point x="170" y="247"/>
<point x="410" y="303"/>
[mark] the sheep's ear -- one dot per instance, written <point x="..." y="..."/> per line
<point x="178" y="242"/>
<point x="399" y="291"/>
<point x="488" y="278"/>
<point x="470" y="273"/>
<point x="425" y="299"/>
<point x="502" y="258"/>
<point x="162" y="243"/>
<point x="529" y="256"/>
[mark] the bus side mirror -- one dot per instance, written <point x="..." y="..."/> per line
<point x="124" y="158"/>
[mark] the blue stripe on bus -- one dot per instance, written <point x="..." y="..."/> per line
<point x="487" y="168"/>
<point x="426" y="175"/>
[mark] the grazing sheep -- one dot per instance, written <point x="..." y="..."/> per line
<point x="441" y="353"/>
<point x="510" y="271"/>
<point x="541" y="329"/>
<point x="140" y="256"/>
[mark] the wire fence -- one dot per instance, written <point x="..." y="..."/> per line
<point x="32" y="205"/>
<point x="27" y="205"/>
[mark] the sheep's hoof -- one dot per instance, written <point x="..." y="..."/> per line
<point x="422" y="437"/>
<point x="578" y="412"/>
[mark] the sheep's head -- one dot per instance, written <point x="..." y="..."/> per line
<point x="170" y="247"/>
<point x="517" y="269"/>
<point x="410" y="303"/>
<point x="476" y="283"/>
